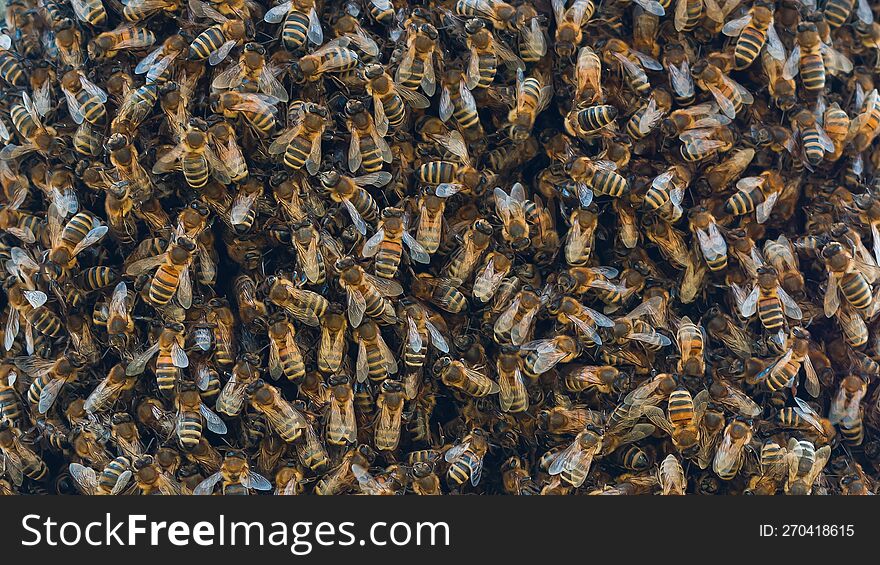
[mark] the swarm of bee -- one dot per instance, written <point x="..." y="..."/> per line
<point x="471" y="246"/>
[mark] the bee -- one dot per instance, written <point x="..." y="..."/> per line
<point x="152" y="479"/>
<point x="109" y="44"/>
<point x="108" y="391"/>
<point x="420" y="331"/>
<point x="235" y="477"/>
<point x="288" y="422"/>
<point x="112" y="480"/>
<point x="671" y="476"/>
<point x="366" y="294"/>
<point x="285" y="357"/>
<point x="452" y="177"/>
<point x="194" y="156"/>
<point x="864" y="127"/>
<point x="11" y="69"/>
<point x="456" y="101"/>
<point x="730" y="452"/>
<point x="588" y="80"/>
<point x="333" y="57"/>
<point x="172" y="277"/>
<point x="91" y="12"/>
<point x="350" y="192"/>
<point x="387" y="244"/>
<point x="815" y="141"/>
<point x="341" y="422"/>
<point x="19" y="460"/>
<point x="573" y="463"/>
<point x="311" y="451"/>
<point x="849" y="276"/>
<point x="442" y="292"/>
<point x="730" y="96"/>
<point x="390" y="98"/>
<point x="683" y="419"/>
<point x="570" y="23"/>
<point x="10" y="408"/>
<point x="342" y="478"/>
<point x="304" y="305"/>
<point x="390" y="405"/>
<point x="172" y="357"/>
<point x="756" y="193"/>
<point x="231" y="399"/>
<point x="512" y="394"/>
<point x="845" y="410"/>
<point x="466" y="459"/>
<point x="595" y="177"/>
<point x="632" y="62"/>
<point x="805" y="462"/>
<point x="416" y="69"/>
<point x="604" y="379"/>
<point x="532" y="97"/>
<point x="330" y="352"/>
<point x="374" y="358"/>
<point x="458" y="376"/>
<point x="712" y="244"/>
<point x="216" y="42"/>
<point x="141" y="10"/>
<point x="431" y="208"/>
<point x="769" y="299"/>
<point x="632" y="327"/>
<point x="301" y="23"/>
<point x="812" y="59"/>
<point x="570" y="312"/>
<point x="784" y="371"/>
<point x="49" y="378"/>
<point x="301" y="143"/>
<point x="753" y="31"/>
<point x="649" y="116"/>
<point x="257" y="109"/>
<point x="486" y="53"/>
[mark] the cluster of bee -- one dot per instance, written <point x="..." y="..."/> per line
<point x="385" y="247"/>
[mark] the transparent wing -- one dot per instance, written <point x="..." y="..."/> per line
<point x="215" y="424"/>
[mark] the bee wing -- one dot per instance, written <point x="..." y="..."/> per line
<point x="390" y="361"/>
<point x="646" y="60"/>
<point x="364" y="42"/>
<point x="780" y="364"/>
<point x="587" y="329"/>
<point x="775" y="48"/>
<point x="218" y="55"/>
<point x="274" y="360"/>
<point x="117" y="301"/>
<point x="357" y="305"/>
<point x="11" y="331"/>
<point x="792" y="64"/>
<point x="519" y="332"/>
<point x="386" y="287"/>
<point x="354" y="151"/>
<point x="508" y="389"/>
<point x="472" y="75"/>
<point x="559" y="10"/>
<point x="94" y="235"/>
<point x="168" y="161"/>
<point x="864" y="13"/>
<point x="383" y="146"/>
<point x="832" y="296"/>
<point x="215" y="424"/>
<point x="650" y="118"/>
<point x="533" y="37"/>
<point x="741" y="402"/>
<point x="144" y="265"/>
<point x="429" y="79"/>
<point x="35" y="298"/>
<point x="230" y="78"/>
<point x="380" y="178"/>
<point x="631" y="68"/>
<point x="121" y="482"/>
<point x="100" y="395"/>
<point x="256" y="481"/>
<point x="749" y="303"/>
<point x="5" y="42"/>
<point x="207" y="486"/>
<point x="571" y="458"/>
<point x="362" y="367"/>
<point x="547" y="357"/>
<point x="85" y="477"/>
<point x="763" y="210"/>
<point x="139" y="362"/>
<point x="417" y="251"/>
<point x="315" y="33"/>
<point x="184" y="289"/>
<point x="356" y="218"/>
<point x="278" y="13"/>
<point x="714" y="11"/>
<point x="49" y="394"/>
<point x="73" y="106"/>
<point x="81" y="9"/>
<point x="415" y="99"/>
<point x="724" y="102"/>
<point x="734" y="27"/>
<point x="835" y="61"/>
<point x="414" y="338"/>
<point x="808" y="414"/>
<point x="437" y="339"/>
<point x="445" y="108"/>
<point x="792" y="310"/>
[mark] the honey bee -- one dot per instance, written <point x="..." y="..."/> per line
<point x="633" y="64"/>
<point x="216" y="42"/>
<point x="19" y="460"/>
<point x="570" y="23"/>
<point x="387" y="244"/>
<point x="301" y="23"/>
<point x="283" y="418"/>
<point x="194" y="156"/>
<point x="285" y="357"/>
<point x="595" y="177"/>
<point x="456" y="101"/>
<point x="172" y="278"/>
<point x="730" y="452"/>
<point x="712" y="244"/>
<point x="754" y="31"/>
<point x="784" y="372"/>
<point x="532" y="97"/>
<point x="256" y="109"/>
<point x="671" y="476"/>
<point x="604" y="379"/>
<point x="333" y="57"/>
<point x="49" y="378"/>
<point x="341" y="423"/>
<point x="141" y="10"/>
<point x="108" y="390"/>
<point x="812" y="59"/>
<point x="864" y="127"/>
<point x="845" y="407"/>
<point x="109" y="44"/>
<point x="374" y="358"/>
<point x="683" y="419"/>
<point x="457" y="375"/>
<point x="390" y="405"/>
<point x="416" y="69"/>
<point x="112" y="480"/>
<point x="390" y="98"/>
<point x="451" y="177"/>
<point x="235" y="477"/>
<point x="304" y="305"/>
<point x="805" y="462"/>
<point x="466" y="459"/>
<point x="849" y="276"/>
<point x="584" y="319"/>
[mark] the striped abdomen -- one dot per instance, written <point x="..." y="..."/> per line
<point x="770" y="312"/>
<point x="189" y="429"/>
<point x="856" y="289"/>
<point x="749" y="44"/>
<point x="166" y="373"/>
<point x="164" y="283"/>
<point x="293" y="33"/>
